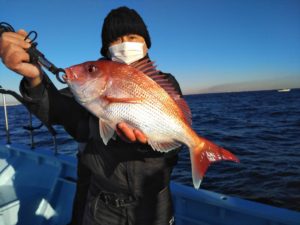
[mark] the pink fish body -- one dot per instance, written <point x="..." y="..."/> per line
<point x="137" y="95"/>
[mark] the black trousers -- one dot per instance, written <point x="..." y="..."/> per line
<point x="83" y="182"/>
<point x="153" y="210"/>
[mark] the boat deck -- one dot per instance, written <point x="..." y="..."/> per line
<point x="37" y="187"/>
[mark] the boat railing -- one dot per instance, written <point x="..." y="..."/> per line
<point x="29" y="127"/>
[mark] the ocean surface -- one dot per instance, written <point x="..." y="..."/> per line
<point x="261" y="128"/>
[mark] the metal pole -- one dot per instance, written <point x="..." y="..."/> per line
<point x="6" y="120"/>
<point x="31" y="131"/>
<point x="55" y="145"/>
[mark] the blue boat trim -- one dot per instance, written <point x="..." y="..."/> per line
<point x="37" y="187"/>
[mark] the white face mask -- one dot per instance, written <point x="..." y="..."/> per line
<point x="127" y="52"/>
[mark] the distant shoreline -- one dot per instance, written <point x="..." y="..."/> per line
<point x="15" y="103"/>
<point x="227" y="92"/>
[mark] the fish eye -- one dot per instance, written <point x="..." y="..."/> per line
<point x="92" y="68"/>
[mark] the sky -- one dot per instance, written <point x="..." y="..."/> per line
<point x="205" y="44"/>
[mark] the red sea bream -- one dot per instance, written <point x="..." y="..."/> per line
<point x="144" y="99"/>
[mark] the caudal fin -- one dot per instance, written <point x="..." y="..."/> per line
<point x="203" y="155"/>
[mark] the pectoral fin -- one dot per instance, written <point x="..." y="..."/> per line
<point x="106" y="132"/>
<point x="111" y="99"/>
<point x="164" y="147"/>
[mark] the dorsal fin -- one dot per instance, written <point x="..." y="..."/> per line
<point x="148" y="68"/>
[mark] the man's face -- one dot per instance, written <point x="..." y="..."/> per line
<point x="130" y="38"/>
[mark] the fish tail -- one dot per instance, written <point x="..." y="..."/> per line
<point x="203" y="154"/>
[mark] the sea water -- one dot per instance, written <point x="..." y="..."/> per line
<point x="261" y="128"/>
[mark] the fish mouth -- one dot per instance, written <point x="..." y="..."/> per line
<point x="70" y="75"/>
<point x="65" y="78"/>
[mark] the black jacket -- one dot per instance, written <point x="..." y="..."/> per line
<point x="129" y="171"/>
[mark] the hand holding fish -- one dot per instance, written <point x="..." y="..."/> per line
<point x="130" y="134"/>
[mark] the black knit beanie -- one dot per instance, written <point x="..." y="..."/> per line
<point x="119" y="22"/>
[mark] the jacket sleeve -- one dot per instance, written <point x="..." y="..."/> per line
<point x="55" y="108"/>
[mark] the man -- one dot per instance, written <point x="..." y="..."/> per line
<point x="129" y="182"/>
